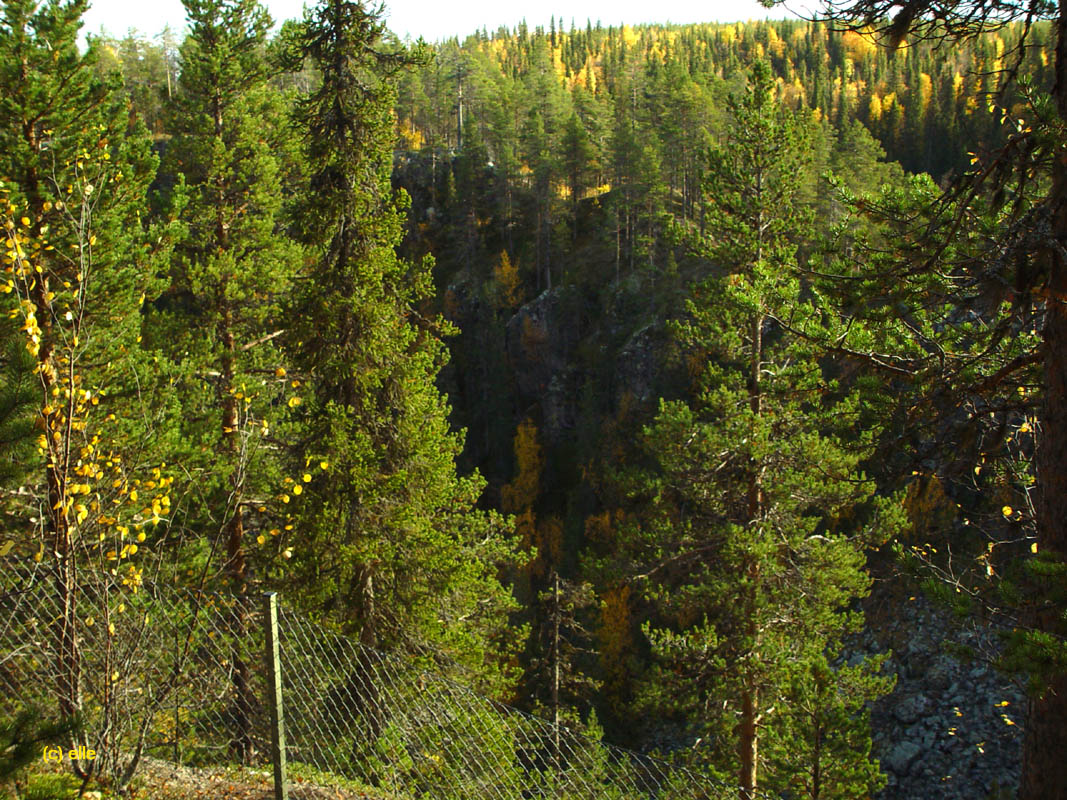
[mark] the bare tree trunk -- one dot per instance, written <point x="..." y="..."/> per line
<point x="748" y="747"/>
<point x="1044" y="775"/>
<point x="555" y="669"/>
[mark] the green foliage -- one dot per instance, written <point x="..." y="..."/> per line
<point x="17" y="395"/>
<point x="754" y="544"/>
<point x="220" y="318"/>
<point x="23" y="736"/>
<point x="822" y="746"/>
<point x="390" y="544"/>
<point x="578" y="190"/>
<point x="80" y="262"/>
<point x="56" y="113"/>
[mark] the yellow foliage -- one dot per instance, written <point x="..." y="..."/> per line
<point x="547" y="539"/>
<point x="774" y="42"/>
<point x="793" y="95"/>
<point x="73" y="444"/>
<point x="508" y="293"/>
<point x="521" y="493"/>
<point x="410" y="135"/>
<point x="616" y="633"/>
<point x="926" y="90"/>
<point x="858" y="45"/>
<point x="589" y="79"/>
<point x="526" y="529"/>
<point x="558" y="65"/>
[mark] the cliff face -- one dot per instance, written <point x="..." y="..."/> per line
<point x="540" y="340"/>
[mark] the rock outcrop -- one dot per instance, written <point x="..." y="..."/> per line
<point x="951" y="728"/>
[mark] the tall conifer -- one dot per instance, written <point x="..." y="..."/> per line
<point x="388" y="542"/>
<point x="73" y="176"/>
<point x="232" y="262"/>
<point x="745" y="552"/>
<point x="230" y="267"/>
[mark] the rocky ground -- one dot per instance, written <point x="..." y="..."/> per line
<point x="951" y="728"/>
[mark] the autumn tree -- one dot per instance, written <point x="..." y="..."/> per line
<point x="77" y="267"/>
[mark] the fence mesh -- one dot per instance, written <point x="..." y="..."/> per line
<point x="182" y="675"/>
<point x="151" y="669"/>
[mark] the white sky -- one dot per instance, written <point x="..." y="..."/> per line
<point x="438" y="19"/>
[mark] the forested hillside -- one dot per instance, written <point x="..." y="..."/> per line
<point x="606" y="364"/>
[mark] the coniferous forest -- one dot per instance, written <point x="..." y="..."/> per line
<point x="646" y="376"/>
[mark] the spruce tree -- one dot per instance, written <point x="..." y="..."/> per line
<point x="389" y="544"/>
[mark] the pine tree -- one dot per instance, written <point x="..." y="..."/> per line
<point x="390" y="544"/>
<point x="71" y="169"/>
<point x="824" y="726"/>
<point x="541" y="144"/>
<point x="232" y="263"/>
<point x="990" y="252"/>
<point x="230" y="268"/>
<point x="18" y="393"/>
<point x="577" y="163"/>
<point x="746" y="556"/>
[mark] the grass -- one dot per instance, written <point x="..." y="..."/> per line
<point x="174" y="782"/>
<point x="42" y="784"/>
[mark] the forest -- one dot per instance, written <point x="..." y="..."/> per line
<point x="635" y="375"/>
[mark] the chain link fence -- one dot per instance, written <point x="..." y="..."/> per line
<point x="150" y="669"/>
<point x="183" y="675"/>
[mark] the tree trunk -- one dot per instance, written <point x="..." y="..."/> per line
<point x="1044" y="775"/>
<point x="368" y="633"/>
<point x="555" y="670"/>
<point x="748" y="745"/>
<point x="365" y="692"/>
<point x="235" y="567"/>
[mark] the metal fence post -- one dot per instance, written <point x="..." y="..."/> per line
<point x="277" y="718"/>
